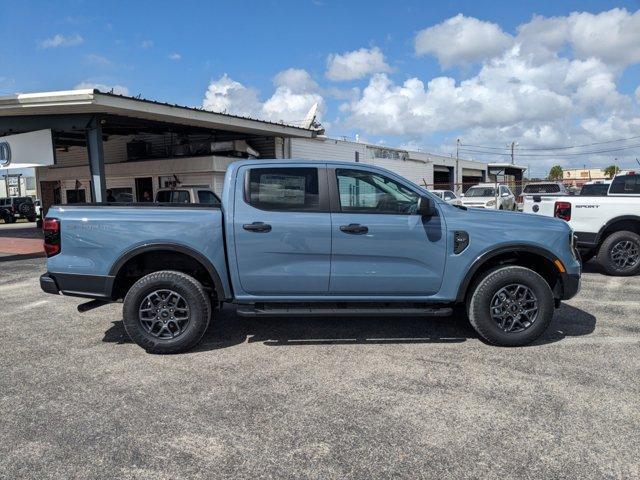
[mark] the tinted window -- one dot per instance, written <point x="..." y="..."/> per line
<point x="76" y="196"/>
<point x="595" y="190"/>
<point x="626" y="184"/>
<point x="207" y="197"/>
<point x="23" y="200"/>
<point x="288" y="189"/>
<point x="542" y="188"/>
<point x="173" y="196"/>
<point x="362" y="191"/>
<point x="449" y="196"/>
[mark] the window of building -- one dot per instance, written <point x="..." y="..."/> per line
<point x="362" y="191"/>
<point x="294" y="189"/>
<point x="76" y="196"/>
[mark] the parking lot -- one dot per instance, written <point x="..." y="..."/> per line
<point x="318" y="398"/>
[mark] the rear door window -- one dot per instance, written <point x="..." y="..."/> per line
<point x="626" y="185"/>
<point x="283" y="189"/>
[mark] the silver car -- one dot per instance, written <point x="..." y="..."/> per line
<point x="448" y="196"/>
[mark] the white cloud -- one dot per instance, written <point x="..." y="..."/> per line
<point x="99" y="60"/>
<point x="295" y="93"/>
<point x="117" y="89"/>
<point x="556" y="82"/>
<point x="60" y="40"/>
<point x="225" y="95"/>
<point x="613" y="36"/>
<point x="146" y="44"/>
<point x="461" y="40"/>
<point x="175" y="56"/>
<point x="356" y="64"/>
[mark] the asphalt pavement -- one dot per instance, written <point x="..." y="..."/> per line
<point x="318" y="398"/>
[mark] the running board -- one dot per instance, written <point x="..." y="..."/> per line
<point x="249" y="311"/>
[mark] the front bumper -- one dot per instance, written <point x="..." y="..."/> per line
<point x="570" y="286"/>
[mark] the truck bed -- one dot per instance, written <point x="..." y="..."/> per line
<point x="96" y="238"/>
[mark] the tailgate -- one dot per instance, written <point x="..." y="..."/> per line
<point x="545" y="206"/>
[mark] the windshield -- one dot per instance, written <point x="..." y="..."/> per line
<point x="439" y="194"/>
<point x="542" y="188"/>
<point x="481" y="192"/>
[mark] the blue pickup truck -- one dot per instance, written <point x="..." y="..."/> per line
<point x="311" y="238"/>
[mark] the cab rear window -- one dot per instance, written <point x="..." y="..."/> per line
<point x="173" y="196"/>
<point x="542" y="188"/>
<point x="626" y="185"/>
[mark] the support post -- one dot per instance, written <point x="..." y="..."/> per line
<point x="96" y="160"/>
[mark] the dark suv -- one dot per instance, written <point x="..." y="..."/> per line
<point x="13" y="208"/>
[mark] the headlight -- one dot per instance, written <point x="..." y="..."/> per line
<point x="491" y="203"/>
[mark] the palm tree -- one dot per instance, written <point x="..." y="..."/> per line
<point x="555" y="173"/>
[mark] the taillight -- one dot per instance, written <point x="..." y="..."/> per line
<point x="562" y="211"/>
<point x="51" y="229"/>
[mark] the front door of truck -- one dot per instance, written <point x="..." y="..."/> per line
<point x="380" y="245"/>
<point x="282" y="230"/>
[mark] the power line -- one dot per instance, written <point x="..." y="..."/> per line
<point x="569" y="154"/>
<point x="552" y="148"/>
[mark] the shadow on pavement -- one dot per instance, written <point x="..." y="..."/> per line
<point x="227" y="330"/>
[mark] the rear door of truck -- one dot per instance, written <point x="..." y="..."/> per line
<point x="282" y="229"/>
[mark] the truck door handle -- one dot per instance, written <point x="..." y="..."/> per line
<point x="354" y="229"/>
<point x="257" y="227"/>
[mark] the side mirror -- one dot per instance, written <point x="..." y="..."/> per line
<point x="426" y="207"/>
<point x="462" y="195"/>
<point x="505" y="194"/>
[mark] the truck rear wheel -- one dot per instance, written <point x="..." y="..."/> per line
<point x="166" y="312"/>
<point x="511" y="306"/>
<point x="619" y="254"/>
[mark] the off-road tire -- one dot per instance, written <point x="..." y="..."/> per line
<point x="483" y="290"/>
<point x="192" y="292"/>
<point x="604" y="254"/>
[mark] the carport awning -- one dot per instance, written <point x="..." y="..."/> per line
<point x="91" y="102"/>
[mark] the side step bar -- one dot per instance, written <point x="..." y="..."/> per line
<point x="250" y="311"/>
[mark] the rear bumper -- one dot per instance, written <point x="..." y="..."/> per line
<point x="75" y="285"/>
<point x="48" y="284"/>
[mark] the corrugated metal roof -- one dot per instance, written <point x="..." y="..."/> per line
<point x="93" y="101"/>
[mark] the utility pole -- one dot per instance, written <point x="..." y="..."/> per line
<point x="513" y="146"/>
<point x="457" y="188"/>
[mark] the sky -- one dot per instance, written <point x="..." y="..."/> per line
<point x="549" y="76"/>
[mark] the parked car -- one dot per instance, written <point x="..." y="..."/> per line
<point x="188" y="194"/>
<point x="311" y="238"/>
<point x="484" y="195"/>
<point x="448" y="196"/>
<point x="606" y="226"/>
<point x="596" y="188"/>
<point x="14" y="208"/>
<point x="550" y="189"/>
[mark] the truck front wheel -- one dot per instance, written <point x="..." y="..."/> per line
<point x="619" y="254"/>
<point x="511" y="306"/>
<point x="166" y="312"/>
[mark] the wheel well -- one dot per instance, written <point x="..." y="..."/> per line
<point x="533" y="261"/>
<point x="628" y="224"/>
<point x="152" y="261"/>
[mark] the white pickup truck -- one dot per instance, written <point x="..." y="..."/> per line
<point x="606" y="227"/>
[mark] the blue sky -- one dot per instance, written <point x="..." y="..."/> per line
<point x="175" y="53"/>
